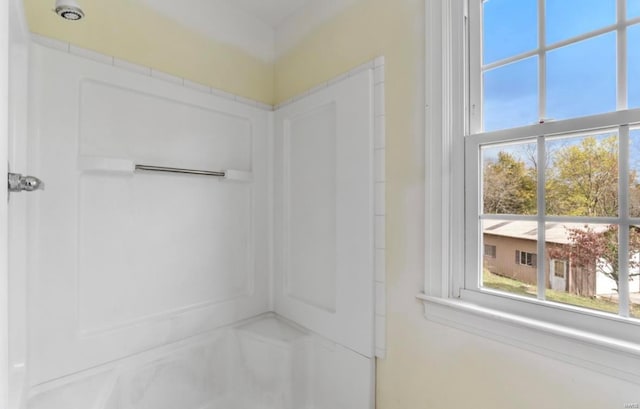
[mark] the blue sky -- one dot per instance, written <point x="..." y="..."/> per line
<point x="581" y="78"/>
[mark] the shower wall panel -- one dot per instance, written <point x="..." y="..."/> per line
<point x="183" y="240"/>
<point x="324" y="211"/>
<point x="123" y="260"/>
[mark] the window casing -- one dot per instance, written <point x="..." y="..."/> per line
<point x="605" y="343"/>
<point x="542" y="134"/>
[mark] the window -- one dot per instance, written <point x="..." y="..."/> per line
<point x="489" y="251"/>
<point x="560" y="268"/>
<point x="554" y="145"/>
<point x="525" y="259"/>
<point x="539" y="139"/>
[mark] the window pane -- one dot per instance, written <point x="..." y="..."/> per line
<point x="633" y="8"/>
<point x="513" y="270"/>
<point x="582" y="175"/>
<point x="581" y="78"/>
<point x="511" y="95"/>
<point x="634" y="173"/>
<point x="581" y="264"/>
<point x="509" y="179"/>
<point x="490" y="251"/>
<point x="509" y="28"/>
<point x="634" y="272"/>
<point x="633" y="55"/>
<point x="570" y="18"/>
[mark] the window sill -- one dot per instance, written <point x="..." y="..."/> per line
<point x="595" y="352"/>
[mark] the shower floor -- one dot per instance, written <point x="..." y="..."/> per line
<point x="265" y="362"/>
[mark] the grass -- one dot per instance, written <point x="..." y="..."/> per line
<point x="511" y="286"/>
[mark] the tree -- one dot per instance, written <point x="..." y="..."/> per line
<point x="598" y="251"/>
<point x="582" y="179"/>
<point x="509" y="186"/>
<point x="634" y="195"/>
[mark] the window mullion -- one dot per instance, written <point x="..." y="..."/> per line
<point x="621" y="101"/>
<point x="623" y="229"/>
<point x="473" y="203"/>
<point x="475" y="66"/>
<point x="541" y="204"/>
<point x="542" y="62"/>
<point x="560" y="44"/>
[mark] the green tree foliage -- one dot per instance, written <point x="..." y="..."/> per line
<point x="582" y="179"/>
<point x="509" y="187"/>
<point x="634" y="195"/>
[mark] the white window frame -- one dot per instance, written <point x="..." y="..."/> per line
<point x="591" y="339"/>
<point x="531" y="259"/>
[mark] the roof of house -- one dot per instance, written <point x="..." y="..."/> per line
<point x="528" y="230"/>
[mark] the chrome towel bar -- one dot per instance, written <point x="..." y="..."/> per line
<point x="127" y="167"/>
<point x="178" y="170"/>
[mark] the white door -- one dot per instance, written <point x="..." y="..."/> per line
<point x="4" y="157"/>
<point x="558" y="275"/>
<point x="324" y="247"/>
<point x="13" y="209"/>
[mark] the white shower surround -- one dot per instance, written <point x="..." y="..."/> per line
<point x="112" y="383"/>
<point x="263" y="362"/>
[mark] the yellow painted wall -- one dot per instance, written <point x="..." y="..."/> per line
<point x="428" y="366"/>
<point x="128" y="30"/>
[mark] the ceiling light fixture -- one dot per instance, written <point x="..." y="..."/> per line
<point x="69" y="10"/>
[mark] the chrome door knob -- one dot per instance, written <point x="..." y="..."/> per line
<point x="20" y="183"/>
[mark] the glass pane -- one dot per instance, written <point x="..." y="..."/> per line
<point x="633" y="8"/>
<point x="634" y="272"/>
<point x="511" y="95"/>
<point x="570" y="18"/>
<point x="581" y="78"/>
<point x="634" y="173"/>
<point x="509" y="28"/>
<point x="514" y="267"/>
<point x="633" y="70"/>
<point x="509" y="179"/>
<point x="582" y="175"/>
<point x="581" y="264"/>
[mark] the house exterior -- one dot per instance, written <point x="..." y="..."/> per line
<point x="510" y="250"/>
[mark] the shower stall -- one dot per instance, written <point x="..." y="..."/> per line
<point x="191" y="249"/>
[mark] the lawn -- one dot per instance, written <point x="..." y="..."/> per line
<point x="518" y="287"/>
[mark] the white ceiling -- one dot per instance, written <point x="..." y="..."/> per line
<point x="272" y="12"/>
<point x="248" y="24"/>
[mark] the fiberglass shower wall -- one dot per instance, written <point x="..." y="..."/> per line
<point x="156" y="290"/>
<point x="130" y="260"/>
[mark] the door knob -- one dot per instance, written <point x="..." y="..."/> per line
<point x="20" y="183"/>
